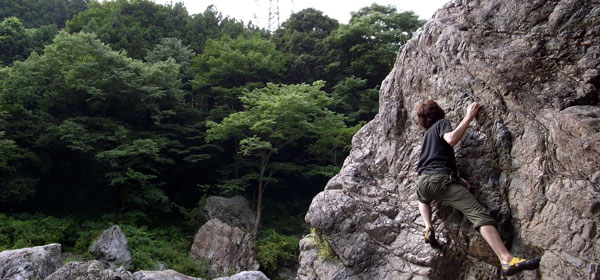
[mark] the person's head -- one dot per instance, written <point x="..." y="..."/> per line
<point x="428" y="112"/>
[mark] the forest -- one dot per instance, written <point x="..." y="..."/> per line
<point x="133" y="113"/>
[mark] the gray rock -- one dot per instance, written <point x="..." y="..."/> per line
<point x="162" y="275"/>
<point x="29" y="263"/>
<point x="234" y="211"/>
<point x="225" y="247"/>
<point x="246" y="275"/>
<point x="111" y="248"/>
<point x="314" y="267"/>
<point x="532" y="155"/>
<point x="93" y="270"/>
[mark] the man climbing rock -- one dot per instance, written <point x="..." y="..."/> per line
<point x="438" y="180"/>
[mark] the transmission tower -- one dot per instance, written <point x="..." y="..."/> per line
<point x="273" y="19"/>
<point x="273" y="22"/>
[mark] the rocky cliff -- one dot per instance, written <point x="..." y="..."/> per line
<point x="532" y="155"/>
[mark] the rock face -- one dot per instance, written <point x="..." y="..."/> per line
<point x="226" y="248"/>
<point x="161" y="275"/>
<point x="29" y="263"/>
<point x="93" y="270"/>
<point x="532" y="155"/>
<point x="111" y="248"/>
<point x="246" y="275"/>
<point x="234" y="211"/>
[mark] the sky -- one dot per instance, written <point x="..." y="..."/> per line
<point x="257" y="10"/>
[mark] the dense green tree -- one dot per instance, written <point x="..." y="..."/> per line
<point x="228" y="66"/>
<point x="134" y="26"/>
<point x="38" y="13"/>
<point x="16" y="184"/>
<point x="211" y="24"/>
<point x="369" y="42"/>
<point x="100" y="106"/>
<point x="302" y="40"/>
<point x="274" y="118"/>
<point x="173" y="48"/>
<point x="135" y="166"/>
<point x="353" y="98"/>
<point x="17" y="42"/>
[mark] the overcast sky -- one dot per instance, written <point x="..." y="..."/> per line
<point x="257" y="10"/>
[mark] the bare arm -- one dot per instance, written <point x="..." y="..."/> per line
<point x="454" y="136"/>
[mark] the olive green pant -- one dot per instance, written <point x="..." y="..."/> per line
<point x="443" y="188"/>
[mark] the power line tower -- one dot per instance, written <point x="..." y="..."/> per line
<point x="272" y="13"/>
<point x="273" y="22"/>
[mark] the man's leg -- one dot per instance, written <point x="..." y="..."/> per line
<point x="461" y="199"/>
<point x="425" y="210"/>
<point x="490" y="234"/>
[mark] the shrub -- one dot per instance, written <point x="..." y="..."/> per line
<point x="274" y="248"/>
<point x="169" y="246"/>
<point x="32" y="230"/>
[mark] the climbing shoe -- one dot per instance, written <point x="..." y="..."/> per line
<point x="429" y="237"/>
<point x="517" y="265"/>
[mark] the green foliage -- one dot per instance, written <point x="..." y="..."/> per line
<point x="370" y="41"/>
<point x="274" y="249"/>
<point x="166" y="245"/>
<point x="78" y="75"/>
<point x="287" y="217"/>
<point x="355" y="99"/>
<point x="133" y="166"/>
<point x="302" y="40"/>
<point x="228" y="66"/>
<point x="16" y="184"/>
<point x="31" y="231"/>
<point x="17" y="42"/>
<point x="37" y="13"/>
<point x="173" y="48"/>
<point x="211" y="24"/>
<point x="324" y="250"/>
<point x="132" y="26"/>
<point x="14" y="41"/>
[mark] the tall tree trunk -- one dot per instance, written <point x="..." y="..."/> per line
<point x="264" y="161"/>
<point x="261" y="190"/>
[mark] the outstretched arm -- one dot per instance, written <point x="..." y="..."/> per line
<point x="454" y="136"/>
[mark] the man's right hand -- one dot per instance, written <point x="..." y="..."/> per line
<point x="472" y="110"/>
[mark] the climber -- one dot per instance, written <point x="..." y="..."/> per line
<point x="438" y="180"/>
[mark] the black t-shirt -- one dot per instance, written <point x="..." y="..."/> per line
<point x="437" y="156"/>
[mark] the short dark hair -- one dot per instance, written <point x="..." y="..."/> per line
<point x="428" y="112"/>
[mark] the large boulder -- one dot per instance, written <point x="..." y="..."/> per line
<point x="29" y="263"/>
<point x="225" y="247"/>
<point x="162" y="275"/>
<point x="532" y="155"/>
<point x="246" y="275"/>
<point x="234" y="211"/>
<point x="111" y="248"/>
<point x="93" y="270"/>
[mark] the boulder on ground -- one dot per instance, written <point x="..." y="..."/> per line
<point x="225" y="247"/>
<point x="93" y="270"/>
<point x="161" y="275"/>
<point x="29" y="263"/>
<point x="246" y="275"/>
<point x="234" y="211"/>
<point x="111" y="248"/>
